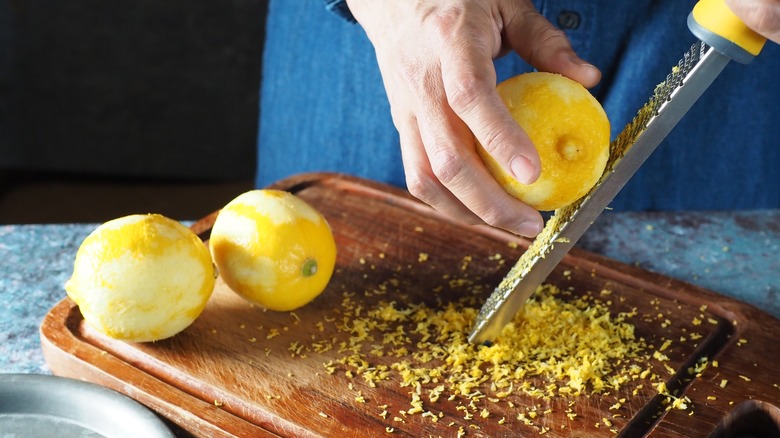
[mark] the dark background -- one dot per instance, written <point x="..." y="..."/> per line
<point x="143" y="94"/>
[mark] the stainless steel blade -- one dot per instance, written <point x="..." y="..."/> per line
<point x="670" y="101"/>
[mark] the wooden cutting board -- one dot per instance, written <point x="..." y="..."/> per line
<point x="242" y="371"/>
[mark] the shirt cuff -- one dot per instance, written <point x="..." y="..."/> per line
<point x="340" y="8"/>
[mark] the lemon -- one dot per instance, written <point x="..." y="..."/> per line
<point x="273" y="248"/>
<point x="141" y="278"/>
<point x="570" y="131"/>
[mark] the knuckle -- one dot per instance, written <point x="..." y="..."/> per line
<point x="464" y="90"/>
<point x="466" y="87"/>
<point x="550" y="33"/>
<point x="445" y="20"/>
<point x="493" y="139"/>
<point x="446" y="166"/>
<point x="491" y="217"/>
<point x="495" y="217"/>
<point x="548" y="37"/>
<point x="421" y="186"/>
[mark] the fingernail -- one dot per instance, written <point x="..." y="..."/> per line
<point x="529" y="229"/>
<point x="522" y="169"/>
<point x="588" y="77"/>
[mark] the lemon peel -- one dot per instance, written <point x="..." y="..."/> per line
<point x="273" y="248"/>
<point x="570" y="131"/>
<point x="141" y="278"/>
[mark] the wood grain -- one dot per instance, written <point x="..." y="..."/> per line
<point x="229" y="374"/>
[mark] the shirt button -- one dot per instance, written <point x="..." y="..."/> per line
<point x="568" y="20"/>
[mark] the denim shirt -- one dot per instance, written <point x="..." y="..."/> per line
<point x="324" y="108"/>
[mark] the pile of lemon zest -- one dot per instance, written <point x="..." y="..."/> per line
<point x="560" y="345"/>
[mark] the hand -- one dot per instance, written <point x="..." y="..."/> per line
<point x="436" y="59"/>
<point x="763" y="16"/>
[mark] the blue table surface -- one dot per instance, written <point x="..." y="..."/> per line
<point x="735" y="254"/>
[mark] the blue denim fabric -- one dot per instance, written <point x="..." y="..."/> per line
<point x="324" y="108"/>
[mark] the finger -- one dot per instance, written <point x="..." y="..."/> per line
<point x="449" y="146"/>
<point x="544" y="46"/>
<point x="421" y="181"/>
<point x="763" y="16"/>
<point x="473" y="97"/>
<point x="470" y="83"/>
<point x="469" y="103"/>
<point x="462" y="172"/>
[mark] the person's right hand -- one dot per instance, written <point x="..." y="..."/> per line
<point x="763" y="16"/>
<point x="436" y="59"/>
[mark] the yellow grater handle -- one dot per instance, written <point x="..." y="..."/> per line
<point x="715" y="24"/>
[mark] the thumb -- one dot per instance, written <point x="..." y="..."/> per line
<point x="763" y="16"/>
<point x="544" y="46"/>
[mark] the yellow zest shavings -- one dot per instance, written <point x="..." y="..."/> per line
<point x="560" y="348"/>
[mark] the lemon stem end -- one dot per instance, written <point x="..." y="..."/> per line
<point x="309" y="267"/>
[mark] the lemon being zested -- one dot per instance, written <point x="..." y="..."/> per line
<point x="570" y="131"/>
<point x="141" y="278"/>
<point x="273" y="248"/>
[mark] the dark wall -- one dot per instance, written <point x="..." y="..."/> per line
<point x="131" y="87"/>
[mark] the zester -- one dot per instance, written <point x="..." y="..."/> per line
<point x="723" y="38"/>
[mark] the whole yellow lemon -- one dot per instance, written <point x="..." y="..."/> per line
<point x="570" y="130"/>
<point x="141" y="278"/>
<point x="273" y="248"/>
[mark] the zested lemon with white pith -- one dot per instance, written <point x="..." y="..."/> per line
<point x="273" y="248"/>
<point x="570" y="131"/>
<point x="141" y="278"/>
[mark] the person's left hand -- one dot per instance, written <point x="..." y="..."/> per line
<point x="763" y="16"/>
<point x="436" y="59"/>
